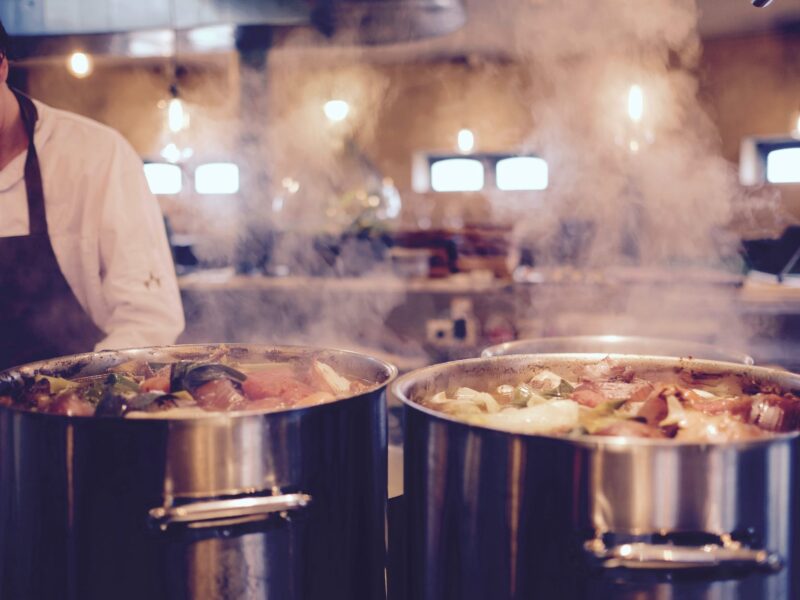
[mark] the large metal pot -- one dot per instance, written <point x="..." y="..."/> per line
<point x="498" y="515"/>
<point x="287" y="504"/>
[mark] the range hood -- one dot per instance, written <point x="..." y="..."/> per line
<point x="387" y="21"/>
<point x="70" y="17"/>
<point x="148" y="27"/>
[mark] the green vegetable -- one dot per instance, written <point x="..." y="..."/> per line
<point x="57" y="384"/>
<point x="94" y="392"/>
<point x="604" y="414"/>
<point x="121" y="383"/>
<point x="186" y="375"/>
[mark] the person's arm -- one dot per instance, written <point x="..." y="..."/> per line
<point x="137" y="273"/>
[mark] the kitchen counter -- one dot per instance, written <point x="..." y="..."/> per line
<point x="392" y="317"/>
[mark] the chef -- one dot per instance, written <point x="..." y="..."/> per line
<point x="84" y="258"/>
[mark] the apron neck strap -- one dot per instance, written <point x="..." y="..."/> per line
<point x="33" y="176"/>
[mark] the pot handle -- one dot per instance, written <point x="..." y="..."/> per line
<point x="639" y="555"/>
<point x="208" y="513"/>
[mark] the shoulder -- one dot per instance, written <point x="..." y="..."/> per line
<point x="71" y="135"/>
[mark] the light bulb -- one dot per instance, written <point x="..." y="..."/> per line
<point x="171" y="153"/>
<point x="177" y="117"/>
<point x="635" y="103"/>
<point x="80" y="64"/>
<point x="336" y="110"/>
<point x="466" y="140"/>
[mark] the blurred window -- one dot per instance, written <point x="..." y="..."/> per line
<point x="521" y="173"/>
<point x="476" y="172"/>
<point x="216" y="178"/>
<point x="164" y="179"/>
<point x="457" y="175"/>
<point x="783" y="165"/>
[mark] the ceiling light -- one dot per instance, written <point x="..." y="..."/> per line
<point x="466" y="140"/>
<point x="80" y="64"/>
<point x="336" y="110"/>
<point x="177" y="116"/>
<point x="635" y="103"/>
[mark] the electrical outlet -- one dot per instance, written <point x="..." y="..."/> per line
<point x="451" y="332"/>
<point x="439" y="332"/>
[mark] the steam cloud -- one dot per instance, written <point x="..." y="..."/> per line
<point x="637" y="208"/>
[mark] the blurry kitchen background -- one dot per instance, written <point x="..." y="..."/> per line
<point x="420" y="183"/>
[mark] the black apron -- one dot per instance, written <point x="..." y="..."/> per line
<point x="40" y="317"/>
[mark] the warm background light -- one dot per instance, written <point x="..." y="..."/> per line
<point x="163" y="179"/>
<point x="635" y="103"/>
<point x="80" y="64"/>
<point x="336" y="110"/>
<point x="466" y="140"/>
<point x="177" y="117"/>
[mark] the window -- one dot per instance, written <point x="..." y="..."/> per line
<point x="164" y="179"/>
<point x="476" y="172"/>
<point x="521" y="173"/>
<point x="216" y="178"/>
<point x="457" y="175"/>
<point x="783" y="166"/>
<point x="769" y="160"/>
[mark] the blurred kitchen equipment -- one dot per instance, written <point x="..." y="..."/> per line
<point x="491" y="514"/>
<point x="288" y="504"/>
<point x="387" y="21"/>
<point x="410" y="262"/>
<point x="158" y="27"/>
<point x="618" y="344"/>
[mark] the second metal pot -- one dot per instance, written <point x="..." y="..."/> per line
<point x="502" y="515"/>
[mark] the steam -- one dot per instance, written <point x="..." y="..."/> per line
<point x="650" y="176"/>
<point x="637" y="175"/>
<point x="640" y="199"/>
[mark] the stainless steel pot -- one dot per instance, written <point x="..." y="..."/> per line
<point x="502" y="515"/>
<point x="254" y="505"/>
<point x="619" y="344"/>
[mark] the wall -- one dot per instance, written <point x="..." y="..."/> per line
<point x="751" y="85"/>
<point x="396" y="111"/>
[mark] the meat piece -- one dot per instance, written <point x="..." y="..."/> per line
<point x="738" y="405"/>
<point x="655" y="409"/>
<point x="636" y="390"/>
<point x="630" y="428"/>
<point x="267" y="403"/>
<point x="157" y="383"/>
<point x="220" y="394"/>
<point x="700" y="427"/>
<point x="592" y="394"/>
<point x="608" y="369"/>
<point x="276" y="383"/>
<point x="588" y="394"/>
<point x="776" y="413"/>
<point x="70" y="404"/>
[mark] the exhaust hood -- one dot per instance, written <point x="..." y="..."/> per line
<point x="154" y="27"/>
<point x="387" y="21"/>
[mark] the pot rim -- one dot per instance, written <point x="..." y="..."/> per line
<point x="72" y="360"/>
<point x="731" y="355"/>
<point x="401" y="385"/>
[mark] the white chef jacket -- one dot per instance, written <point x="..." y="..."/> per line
<point x="105" y="226"/>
